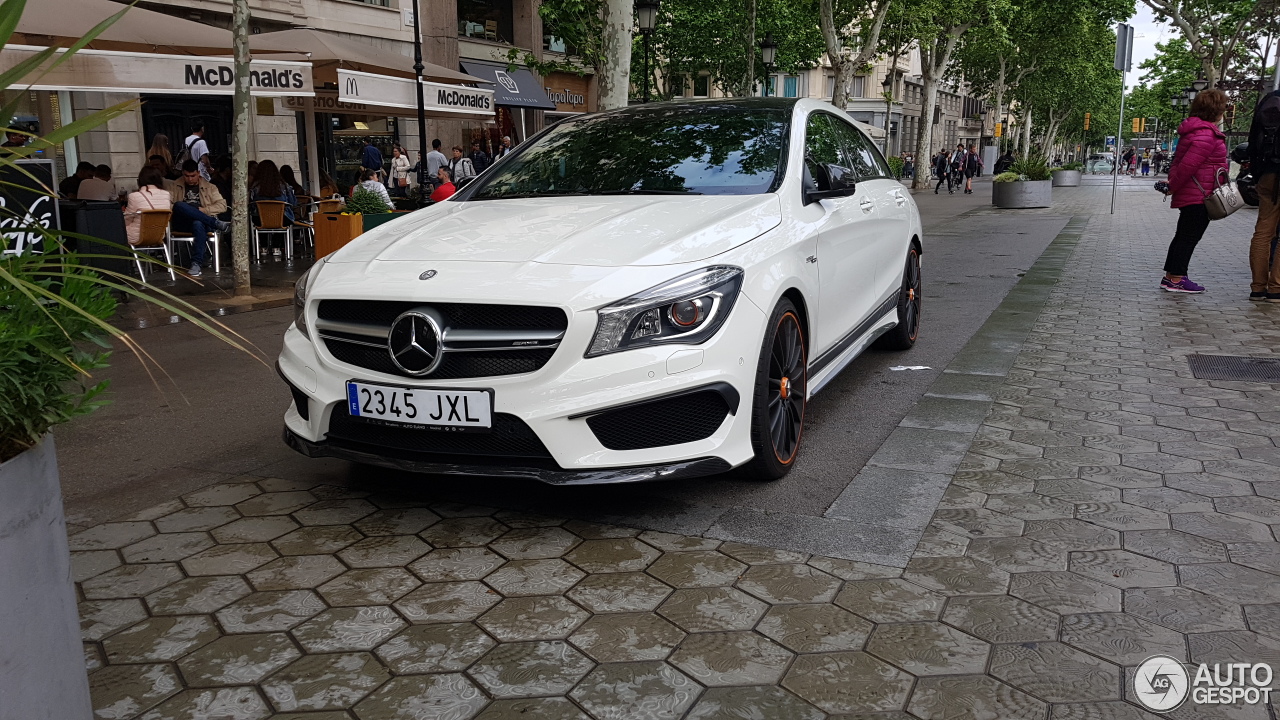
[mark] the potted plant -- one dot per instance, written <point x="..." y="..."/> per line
<point x="1026" y="184"/>
<point x="54" y="334"/>
<point x="371" y="207"/>
<point x="1068" y="175"/>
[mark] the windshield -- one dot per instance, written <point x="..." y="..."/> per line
<point x="678" y="150"/>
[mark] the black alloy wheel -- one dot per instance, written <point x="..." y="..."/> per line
<point x="781" y="396"/>
<point x="903" y="335"/>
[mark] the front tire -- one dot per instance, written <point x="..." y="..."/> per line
<point x="781" y="396"/>
<point x="903" y="335"/>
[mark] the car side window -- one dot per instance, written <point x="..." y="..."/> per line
<point x="824" y="157"/>
<point x="862" y="156"/>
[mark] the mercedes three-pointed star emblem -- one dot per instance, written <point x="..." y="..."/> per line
<point x="414" y="343"/>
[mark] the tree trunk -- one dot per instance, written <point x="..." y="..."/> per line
<point x="749" y="82"/>
<point x="1026" y="130"/>
<point x="924" y="135"/>
<point x="935" y="58"/>
<point x="240" y="148"/>
<point x="615" y="76"/>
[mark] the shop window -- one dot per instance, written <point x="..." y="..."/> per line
<point x="379" y="3"/>
<point x="791" y="86"/>
<point x="551" y="43"/>
<point x="702" y="86"/>
<point x="485" y="20"/>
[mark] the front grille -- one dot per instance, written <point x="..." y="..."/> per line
<point x="510" y="441"/>
<point x="369" y="351"/>
<point x="668" y="421"/>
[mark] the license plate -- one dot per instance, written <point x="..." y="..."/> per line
<point x="456" y="410"/>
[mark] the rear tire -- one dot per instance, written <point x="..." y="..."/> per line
<point x="903" y="335"/>
<point x="780" y="396"/>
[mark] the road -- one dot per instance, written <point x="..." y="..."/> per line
<point x="214" y="413"/>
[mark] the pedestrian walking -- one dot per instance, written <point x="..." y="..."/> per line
<point x="1264" y="162"/>
<point x="1146" y="165"/>
<point x="435" y="161"/>
<point x="942" y="168"/>
<point x="480" y="159"/>
<point x="371" y="158"/>
<point x="399" y="172"/>
<point x="461" y="167"/>
<point x="908" y="166"/>
<point x="1202" y="153"/>
<point x="971" y="166"/>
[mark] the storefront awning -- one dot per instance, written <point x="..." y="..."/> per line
<point x="513" y="88"/>
<point x="59" y="23"/>
<point x="111" y="71"/>
<point x="328" y="53"/>
<point x="440" y="100"/>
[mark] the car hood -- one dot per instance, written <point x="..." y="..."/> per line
<point x="612" y="231"/>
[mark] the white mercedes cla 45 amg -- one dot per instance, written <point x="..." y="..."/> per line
<point x="648" y="293"/>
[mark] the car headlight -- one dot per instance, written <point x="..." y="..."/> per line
<point x="300" y="298"/>
<point x="687" y="310"/>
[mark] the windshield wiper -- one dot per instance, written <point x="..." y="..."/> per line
<point x="522" y="196"/>
<point x="646" y="192"/>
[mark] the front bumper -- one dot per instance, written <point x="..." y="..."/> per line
<point x="555" y="402"/>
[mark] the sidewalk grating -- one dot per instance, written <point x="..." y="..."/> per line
<point x="1234" y="367"/>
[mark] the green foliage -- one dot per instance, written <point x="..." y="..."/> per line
<point x="366" y="202"/>
<point x="1009" y="176"/>
<point x="1071" y="166"/>
<point x="1031" y="167"/>
<point x="896" y="164"/>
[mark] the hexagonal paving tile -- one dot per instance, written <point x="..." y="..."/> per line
<point x="710" y="609"/>
<point x="126" y="690"/>
<point x="643" y="690"/>
<point x="87" y="563"/>
<point x="111" y="536"/>
<point x="433" y="696"/>
<point x="1174" y="546"/>
<point x="378" y="586"/>
<point x="789" y="583"/>
<point x="1122" y="516"/>
<point x="612" y="555"/>
<point x="238" y="703"/>
<point x="1264" y="619"/>
<point x="296" y="572"/>
<point x="626" y="637"/>
<point x="535" y="543"/>
<point x="978" y="523"/>
<point x="928" y="648"/>
<point x="547" y="617"/>
<point x="384" y="551"/>
<point x="761" y="701"/>
<point x="814" y="628"/>
<point x="1120" y="637"/>
<point x="100" y="618"/>
<point x="890" y="600"/>
<point x="977" y="697"/>
<point x="1236" y="583"/>
<point x="1113" y="710"/>
<point x="549" y="667"/>
<point x="549" y="708"/>
<point x="848" y="682"/>
<point x="159" y="639"/>
<point x="1031" y="506"/>
<point x="1167" y="499"/>
<point x="1001" y="619"/>
<point x="1223" y="647"/>
<point x="1055" y="672"/>
<point x="398" y="521"/>
<point x="130" y="581"/>
<point x="524" y="519"/>
<point x="1223" y="528"/>
<point x="697" y="568"/>
<point x="534" y="577"/>
<point x="619" y="592"/>
<point x="956" y="576"/>
<point x="1183" y="609"/>
<point x="196" y="519"/>
<point x="1064" y="592"/>
<point x="456" y="564"/>
<point x="337" y="492"/>
<point x="197" y="596"/>
<point x="348" y="629"/>
<point x="1208" y="484"/>
<point x="463" y="532"/>
<point x="450" y="647"/>
<point x="237" y="660"/>
<point x="1072" y="535"/>
<point x="447" y="602"/>
<point x="1263" y="556"/>
<point x="1017" y="554"/>
<point x="759" y="555"/>
<point x="170" y="547"/>
<point x="853" y="569"/>
<point x="229" y="559"/>
<point x="255" y="529"/>
<point x="731" y="658"/>
<point x="276" y="503"/>
<point x="270" y="611"/>
<point x="1123" y="569"/>
<point x="325" y="682"/>
<point x="222" y="494"/>
<point x="334" y="512"/>
<point x="316" y="540"/>
<point x="669" y="542"/>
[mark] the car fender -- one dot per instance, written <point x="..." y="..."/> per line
<point x="777" y="262"/>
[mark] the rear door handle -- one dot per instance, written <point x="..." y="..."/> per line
<point x="898" y="198"/>
<point x="866" y="204"/>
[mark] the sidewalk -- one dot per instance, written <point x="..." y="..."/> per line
<point x="1095" y="504"/>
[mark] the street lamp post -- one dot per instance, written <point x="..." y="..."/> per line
<point x="647" y="14"/>
<point x="768" y="53"/>
<point x="888" y="108"/>
<point x="422" y="107"/>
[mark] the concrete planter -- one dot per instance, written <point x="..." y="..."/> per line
<point x="42" y="674"/>
<point x="1066" y="178"/>
<point x="1022" y="194"/>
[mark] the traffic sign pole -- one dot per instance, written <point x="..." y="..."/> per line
<point x="1123" y="63"/>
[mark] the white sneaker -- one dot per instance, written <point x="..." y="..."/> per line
<point x="194" y="270"/>
<point x="277" y="252"/>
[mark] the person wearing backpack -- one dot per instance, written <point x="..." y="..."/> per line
<point x="195" y="148"/>
<point x="1264" y="162"/>
<point x="1202" y="154"/>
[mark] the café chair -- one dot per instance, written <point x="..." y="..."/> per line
<point x="212" y="239"/>
<point x="153" y="236"/>
<point x="271" y="220"/>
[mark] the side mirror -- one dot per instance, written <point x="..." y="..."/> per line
<point x="840" y="183"/>
<point x="465" y="181"/>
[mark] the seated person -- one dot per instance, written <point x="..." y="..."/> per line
<point x="369" y="181"/>
<point x="269" y="185"/>
<point x="69" y="188"/>
<point x="196" y="202"/>
<point x="446" y="189"/>
<point x="98" y="187"/>
<point x="150" y="195"/>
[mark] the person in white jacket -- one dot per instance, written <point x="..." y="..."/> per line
<point x="399" y="172"/>
<point x="460" y="167"/>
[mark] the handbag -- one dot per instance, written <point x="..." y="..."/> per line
<point x="1224" y="199"/>
<point x="402" y="182"/>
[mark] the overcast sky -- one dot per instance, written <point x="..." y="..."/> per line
<point x="1146" y="33"/>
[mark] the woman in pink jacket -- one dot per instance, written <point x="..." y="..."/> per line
<point x="1202" y="152"/>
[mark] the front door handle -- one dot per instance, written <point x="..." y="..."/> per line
<point x="866" y="205"/>
<point x="898" y="198"/>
